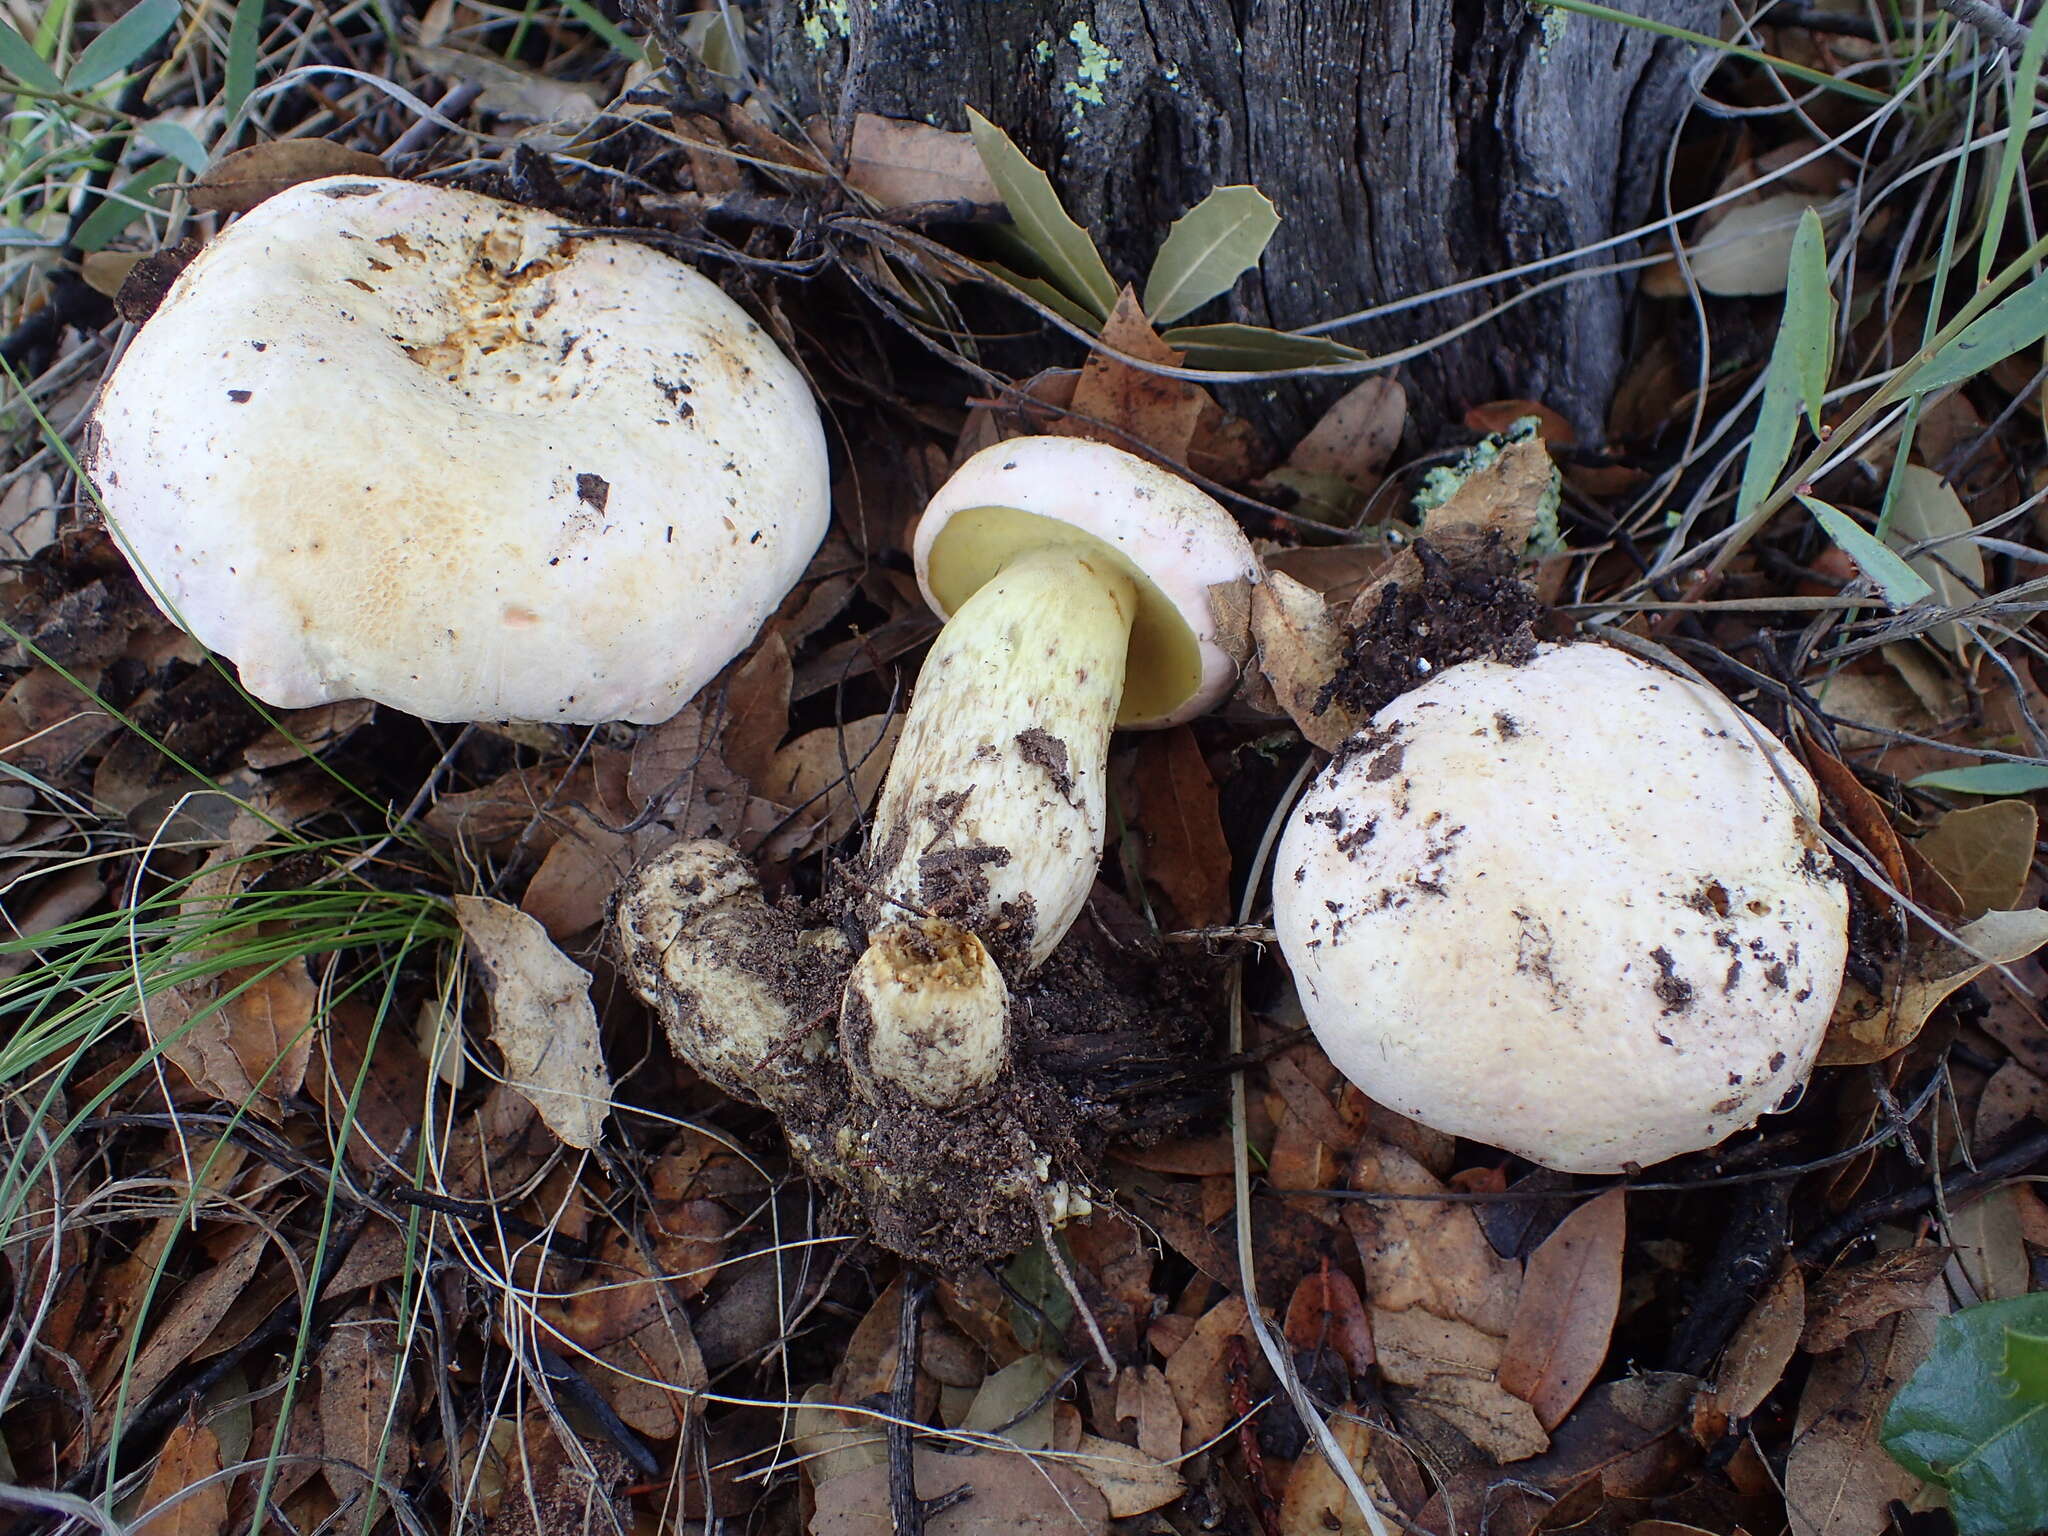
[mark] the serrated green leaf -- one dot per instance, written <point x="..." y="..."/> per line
<point x="1925" y="506"/>
<point x="1986" y="779"/>
<point x="1808" y="327"/>
<point x="1248" y="348"/>
<point x="122" y="43"/>
<point x="1069" y="256"/>
<point x="1900" y="585"/>
<point x="1952" y="1425"/>
<point x="2026" y="1363"/>
<point x="22" y="63"/>
<point x="1209" y="247"/>
<point x="2018" y="321"/>
<point x="177" y="141"/>
<point x="122" y="207"/>
<point x="1044" y="292"/>
<point x="245" y="37"/>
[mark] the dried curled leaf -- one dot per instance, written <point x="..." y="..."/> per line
<point x="238" y="182"/>
<point x="542" y="1018"/>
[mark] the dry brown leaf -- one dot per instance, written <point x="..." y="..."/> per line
<point x="1990" y="1259"/>
<point x="2012" y="1095"/>
<point x="1185" y="850"/>
<point x="810" y="776"/>
<point x="541" y="1018"/>
<point x="1756" y="1357"/>
<point x="254" y="1043"/>
<point x="365" y="1407"/>
<point x="1196" y="1372"/>
<point x="1301" y="646"/>
<point x="1316" y="1502"/>
<point x="1144" y="1395"/>
<point x="678" y="767"/>
<point x="1425" y="1253"/>
<point x="184" y="1325"/>
<point x="1565" y="1315"/>
<point x="1451" y="1368"/>
<point x="1194" y="1157"/>
<point x="573" y="886"/>
<point x="1354" y="440"/>
<point x="190" y="1460"/>
<point x="1866" y="1028"/>
<point x="756" y="708"/>
<point x="1847" y="1300"/>
<point x="303" y="733"/>
<point x="1012" y="1496"/>
<point x="1138" y="409"/>
<point x="370" y="1082"/>
<point x="1985" y="854"/>
<point x="1838" y="1479"/>
<point x="1326" y="1312"/>
<point x="1130" y="1481"/>
<point x="238" y="182"/>
<point x="900" y="163"/>
<point x="1499" y="415"/>
<point x="632" y="1322"/>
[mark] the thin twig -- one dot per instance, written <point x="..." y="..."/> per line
<point x="1989" y="20"/>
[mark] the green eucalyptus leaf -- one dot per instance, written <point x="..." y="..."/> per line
<point x="124" y="205"/>
<point x="1808" y="327"/>
<point x="177" y="141"/>
<point x="1798" y="371"/>
<point x="1961" y="1423"/>
<point x="122" y="43"/>
<point x="1044" y="292"/>
<point x="1248" y="348"/>
<point x="22" y="63"/>
<point x="1987" y="779"/>
<point x="2000" y="331"/>
<point x="1208" y="249"/>
<point x="1900" y="585"/>
<point x="1062" y="246"/>
<point x="1924" y="507"/>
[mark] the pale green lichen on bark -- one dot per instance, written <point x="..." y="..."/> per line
<point x="1091" y="73"/>
<point x="827" y="18"/>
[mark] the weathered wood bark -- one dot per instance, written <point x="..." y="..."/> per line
<point x="1409" y="144"/>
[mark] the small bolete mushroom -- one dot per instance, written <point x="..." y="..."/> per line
<point x="386" y="440"/>
<point x="1075" y="582"/>
<point x="1569" y="908"/>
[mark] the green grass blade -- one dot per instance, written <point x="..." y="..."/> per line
<point x="1701" y="40"/>
<point x="122" y="44"/>
<point x="1209" y="247"/>
<point x="2025" y="78"/>
<point x="624" y="46"/>
<point x="22" y="63"/>
<point x="244" y="43"/>
<point x="1069" y="255"/>
<point x="1900" y="584"/>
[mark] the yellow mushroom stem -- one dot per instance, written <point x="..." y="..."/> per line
<point x="992" y="815"/>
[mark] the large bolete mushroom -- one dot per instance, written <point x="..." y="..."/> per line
<point x="390" y="441"/>
<point x="1075" y="580"/>
<point x="1569" y="908"/>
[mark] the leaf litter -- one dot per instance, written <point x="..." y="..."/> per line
<point x="1479" y="1340"/>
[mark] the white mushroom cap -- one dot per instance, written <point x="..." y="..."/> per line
<point x="1566" y="908"/>
<point x="1173" y="540"/>
<point x="391" y="441"/>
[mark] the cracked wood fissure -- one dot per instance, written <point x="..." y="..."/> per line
<point x="1407" y="145"/>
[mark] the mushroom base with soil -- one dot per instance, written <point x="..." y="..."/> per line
<point x="761" y="1000"/>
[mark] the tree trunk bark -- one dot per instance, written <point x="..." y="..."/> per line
<point x="1409" y="144"/>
